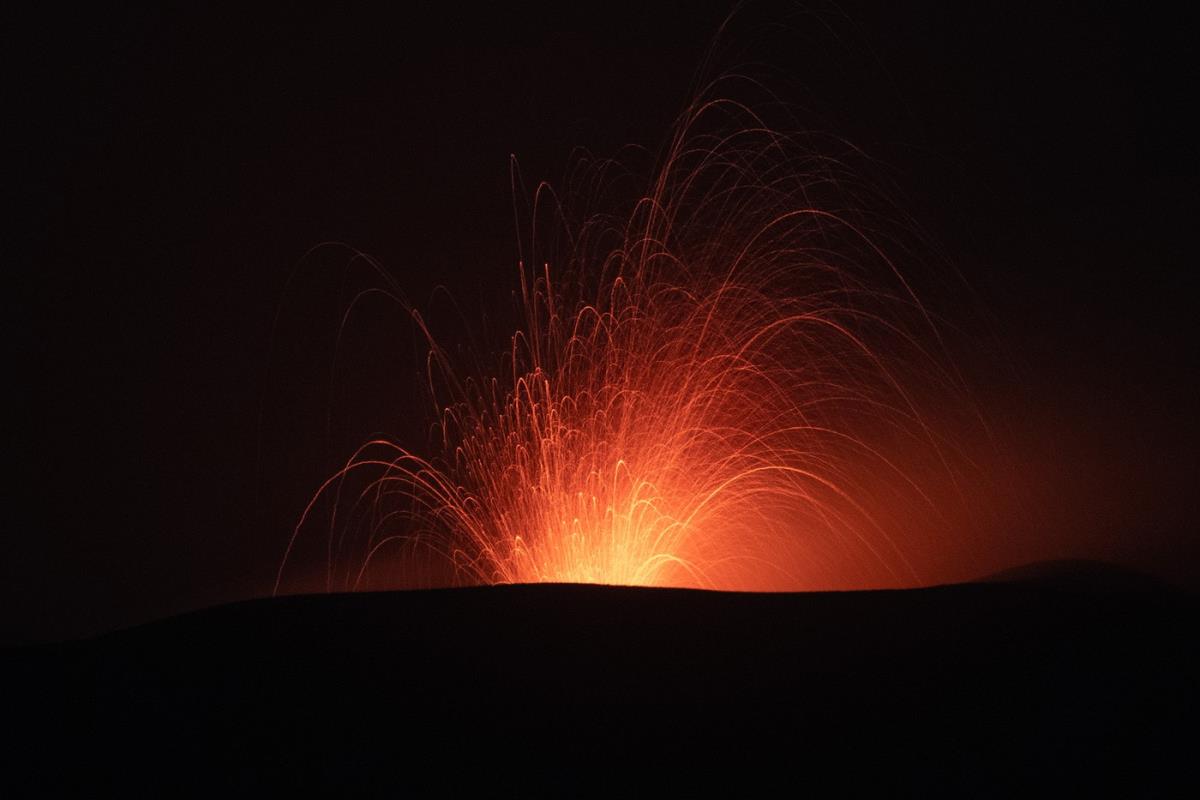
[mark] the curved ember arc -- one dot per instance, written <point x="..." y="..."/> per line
<point x="711" y="390"/>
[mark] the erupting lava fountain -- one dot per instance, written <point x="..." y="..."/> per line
<point x="717" y="387"/>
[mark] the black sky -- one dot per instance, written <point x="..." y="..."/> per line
<point x="178" y="164"/>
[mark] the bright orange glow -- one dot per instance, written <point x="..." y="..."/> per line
<point x="716" y="389"/>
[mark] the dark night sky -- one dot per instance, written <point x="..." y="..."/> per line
<point x="180" y="164"/>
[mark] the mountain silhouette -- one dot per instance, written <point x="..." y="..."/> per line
<point x="1064" y="669"/>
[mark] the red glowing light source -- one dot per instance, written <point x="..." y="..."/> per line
<point x="717" y="389"/>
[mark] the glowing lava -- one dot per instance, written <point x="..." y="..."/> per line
<point x="709" y="390"/>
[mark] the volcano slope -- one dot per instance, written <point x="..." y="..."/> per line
<point x="1061" y="674"/>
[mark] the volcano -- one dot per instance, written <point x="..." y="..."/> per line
<point x="1068" y="669"/>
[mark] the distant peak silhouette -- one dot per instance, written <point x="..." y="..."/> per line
<point x="1078" y="574"/>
